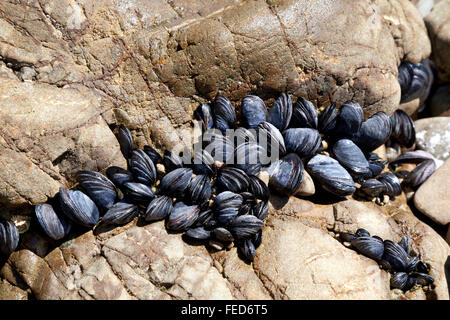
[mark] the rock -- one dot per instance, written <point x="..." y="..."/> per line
<point x="411" y="107"/>
<point x="440" y="102"/>
<point x="433" y="135"/>
<point x="424" y="6"/>
<point x="433" y="197"/>
<point x="307" y="187"/>
<point x="438" y="26"/>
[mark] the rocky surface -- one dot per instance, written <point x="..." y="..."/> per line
<point x="433" y="135"/>
<point x="438" y="26"/>
<point x="433" y="197"/>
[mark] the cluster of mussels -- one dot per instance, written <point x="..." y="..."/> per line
<point x="221" y="195"/>
<point x="407" y="270"/>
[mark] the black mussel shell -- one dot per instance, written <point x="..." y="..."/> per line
<point x="420" y="174"/>
<point x="372" y="188"/>
<point x="331" y="175"/>
<point x="347" y="236"/>
<point x="78" y="207"/>
<point x="271" y="139"/>
<point x="153" y="154"/>
<point x="118" y="175"/>
<point x="423" y="279"/>
<point x="403" y="130"/>
<point x="125" y="141"/>
<point x="224" y="113"/>
<point x="412" y="264"/>
<point x="257" y="239"/>
<point x="159" y="208"/>
<point x="260" y="210"/>
<point x="369" y="246"/>
<point x="286" y="175"/>
<point x="362" y="233"/>
<point x="204" y="114"/>
<point x="138" y="192"/>
<point x="120" y="213"/>
<point x="248" y="158"/>
<point x="248" y="250"/>
<point x="254" y="111"/>
<point x="258" y="188"/>
<point x="391" y="183"/>
<point x="232" y="179"/>
<point x="142" y="166"/>
<point x="204" y="217"/>
<point x="399" y="280"/>
<point x="226" y="206"/>
<point x="405" y="243"/>
<point x="395" y="255"/>
<point x="349" y="119"/>
<point x="327" y="119"/>
<point x="304" y="114"/>
<point x="182" y="217"/>
<point x="245" y="226"/>
<point x="203" y="163"/>
<point x="415" y="81"/>
<point x="281" y="112"/>
<point x="198" y="233"/>
<point x="242" y="135"/>
<point x="303" y="141"/>
<point x="223" y="234"/>
<point x="199" y="189"/>
<point x="417" y="156"/>
<point x="351" y="157"/>
<point x="374" y="132"/>
<point x="375" y="168"/>
<point x="98" y="187"/>
<point x="219" y="147"/>
<point x="54" y="226"/>
<point x="175" y="182"/>
<point x="9" y="237"/>
<point x="171" y="161"/>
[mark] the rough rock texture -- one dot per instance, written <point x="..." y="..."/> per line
<point x="438" y="25"/>
<point x="433" y="135"/>
<point x="433" y="197"/>
<point x="299" y="258"/>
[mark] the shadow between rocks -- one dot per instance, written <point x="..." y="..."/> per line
<point x="447" y="273"/>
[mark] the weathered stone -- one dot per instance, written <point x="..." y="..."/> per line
<point x="433" y="135"/>
<point x="433" y="197"/>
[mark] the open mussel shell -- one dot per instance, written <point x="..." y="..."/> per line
<point x="203" y="163"/>
<point x="182" y="216"/>
<point x="78" y="207"/>
<point x="224" y="114"/>
<point x="415" y="81"/>
<point x="304" y="114"/>
<point x="175" y="182"/>
<point x="403" y="130"/>
<point x="258" y="188"/>
<point x="372" y="188"/>
<point x="374" y="132"/>
<point x="56" y="227"/>
<point x="138" y="192"/>
<point x="331" y="175"/>
<point x="247" y="249"/>
<point x="351" y="157"/>
<point x="171" y="161"/>
<point x="120" y="213"/>
<point x="118" y="175"/>
<point x="142" y="167"/>
<point x="245" y="226"/>
<point x="395" y="255"/>
<point x="204" y="114"/>
<point x="286" y="175"/>
<point x="248" y="158"/>
<point x="369" y="246"/>
<point x="125" y="141"/>
<point x="232" y="179"/>
<point x="98" y="187"/>
<point x="226" y="206"/>
<point x="349" y="120"/>
<point x="153" y="154"/>
<point x="281" y="112"/>
<point x="9" y="237"/>
<point x="303" y="141"/>
<point x="198" y="233"/>
<point x="327" y="119"/>
<point x="391" y="183"/>
<point x="399" y="280"/>
<point x="254" y="111"/>
<point x="420" y="174"/>
<point x="260" y="210"/>
<point x="222" y="234"/>
<point x="199" y="189"/>
<point x="271" y="139"/>
<point x="159" y="208"/>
